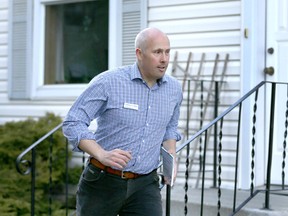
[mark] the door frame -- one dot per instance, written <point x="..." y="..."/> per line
<point x="253" y="46"/>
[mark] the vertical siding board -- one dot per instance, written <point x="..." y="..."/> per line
<point x="131" y="21"/>
<point x="3" y="48"/>
<point x="19" y="50"/>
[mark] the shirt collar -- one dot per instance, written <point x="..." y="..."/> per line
<point x="135" y="74"/>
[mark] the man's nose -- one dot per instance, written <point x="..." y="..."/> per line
<point x="164" y="57"/>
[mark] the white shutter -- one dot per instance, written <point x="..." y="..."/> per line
<point x="133" y="20"/>
<point x="20" y="60"/>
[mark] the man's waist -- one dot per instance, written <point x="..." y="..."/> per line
<point x="110" y="170"/>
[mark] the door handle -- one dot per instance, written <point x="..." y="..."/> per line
<point x="269" y="70"/>
<point x="270" y="50"/>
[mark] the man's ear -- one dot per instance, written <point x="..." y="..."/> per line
<point x="138" y="53"/>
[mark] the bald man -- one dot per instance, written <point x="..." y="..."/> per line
<point x="137" y="110"/>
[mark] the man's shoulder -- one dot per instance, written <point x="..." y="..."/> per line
<point x="112" y="74"/>
<point x="172" y="81"/>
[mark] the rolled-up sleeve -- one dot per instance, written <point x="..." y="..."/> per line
<point x="172" y="128"/>
<point x="90" y="104"/>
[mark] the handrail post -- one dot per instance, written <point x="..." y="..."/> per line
<point x="187" y="151"/>
<point x="270" y="148"/>
<point x="33" y="155"/>
<point x="67" y="176"/>
<point x="168" y="197"/>
<point x="215" y="135"/>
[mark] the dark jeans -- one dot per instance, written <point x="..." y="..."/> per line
<point x="103" y="194"/>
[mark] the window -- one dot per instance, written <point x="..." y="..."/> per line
<point x="76" y="41"/>
<point x="57" y="46"/>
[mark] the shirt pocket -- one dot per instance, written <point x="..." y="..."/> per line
<point x="163" y="112"/>
<point x="129" y="114"/>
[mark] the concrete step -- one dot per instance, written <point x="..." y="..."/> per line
<point x="278" y="202"/>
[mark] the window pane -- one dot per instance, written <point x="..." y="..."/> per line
<point x="76" y="41"/>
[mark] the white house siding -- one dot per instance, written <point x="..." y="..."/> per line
<point x="3" y="51"/>
<point x="8" y="110"/>
<point x="197" y="26"/>
<point x="209" y="27"/>
<point x="14" y="110"/>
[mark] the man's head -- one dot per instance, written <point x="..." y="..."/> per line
<point x="153" y="52"/>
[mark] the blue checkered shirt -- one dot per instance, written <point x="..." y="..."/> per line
<point x="130" y="115"/>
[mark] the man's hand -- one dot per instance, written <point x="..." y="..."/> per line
<point x="170" y="146"/>
<point x="116" y="158"/>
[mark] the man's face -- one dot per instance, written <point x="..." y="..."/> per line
<point x="153" y="61"/>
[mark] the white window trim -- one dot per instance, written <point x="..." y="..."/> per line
<point x="115" y="36"/>
<point x="38" y="90"/>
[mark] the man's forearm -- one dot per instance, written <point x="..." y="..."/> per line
<point x="91" y="147"/>
<point x="170" y="146"/>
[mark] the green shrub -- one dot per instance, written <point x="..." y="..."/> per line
<point x="15" y="189"/>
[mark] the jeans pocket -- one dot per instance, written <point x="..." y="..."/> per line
<point x="158" y="180"/>
<point x="156" y="177"/>
<point x="92" y="174"/>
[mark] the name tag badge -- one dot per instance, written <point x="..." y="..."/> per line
<point x="131" y="106"/>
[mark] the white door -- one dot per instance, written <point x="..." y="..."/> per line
<point x="277" y="59"/>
